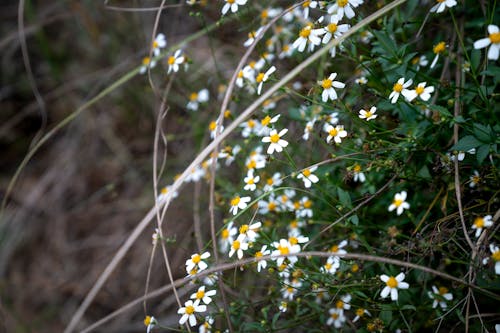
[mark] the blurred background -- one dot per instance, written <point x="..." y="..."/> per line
<point x="85" y="190"/>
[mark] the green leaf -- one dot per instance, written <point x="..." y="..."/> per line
<point x="441" y="110"/>
<point x="482" y="153"/>
<point x="408" y="307"/>
<point x="386" y="42"/>
<point x="466" y="143"/>
<point x="344" y="198"/>
<point x="482" y="132"/>
<point x="354" y="219"/>
<point x="424" y="172"/>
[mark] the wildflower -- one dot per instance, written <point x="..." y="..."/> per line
<point x="361" y="81"/>
<point x="273" y="181"/>
<point x="227" y="236"/>
<point x="338" y="249"/>
<point x="303" y="208"/>
<point x="399" y="203"/>
<point x="250" y="126"/>
<point x="420" y="61"/>
<point x="238" y="203"/>
<point x="196" y="263"/>
<point x="259" y="254"/>
<point x="202" y="295"/>
<point x="276" y="143"/>
<point x="495" y="255"/>
<point x="493" y="39"/>
<point x="289" y="291"/>
<point x="399" y="87"/>
<point x="294" y="227"/>
<point x="368" y="115"/>
<point x="360" y="312"/>
<point x="308" y="4"/>
<point x="250" y="231"/>
<point x="283" y="306"/>
<point x="256" y="160"/>
<point x="238" y="246"/>
<point x="251" y="36"/>
<point x="188" y="312"/>
<point x="343" y="302"/>
<point x="328" y="85"/>
<point x="308" y="177"/>
<point x="265" y="122"/>
<point x="308" y="34"/>
<point x="421" y="91"/>
<point x="337" y="318"/>
<point x="147" y="62"/>
<point x="331" y="266"/>
<point x="336" y="133"/>
<point x="308" y="129"/>
<point x="480" y="223"/>
<point x="474" y="179"/>
<point x="333" y="29"/>
<point x="174" y="61"/>
<point x="159" y="43"/>
<point x="437" y="49"/>
<point x="332" y="118"/>
<point x="164" y="192"/>
<point x="359" y="176"/>
<point x="150" y="322"/>
<point x="342" y="7"/>
<point x="441" y="5"/>
<point x="195" y="98"/>
<point x="233" y="5"/>
<point x="215" y="129"/>
<point x="392" y="285"/>
<point x="207" y="325"/>
<point x="440" y="296"/>
<point x="263" y="77"/>
<point x="284" y="248"/>
<point x="229" y="153"/>
<point x="250" y="181"/>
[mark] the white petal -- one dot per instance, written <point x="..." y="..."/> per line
<point x="493" y="52"/>
<point x="482" y="43"/>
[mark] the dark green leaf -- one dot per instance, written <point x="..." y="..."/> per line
<point x="466" y="143"/>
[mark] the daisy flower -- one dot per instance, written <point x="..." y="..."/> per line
<point x="196" y="263"/>
<point x="308" y="177"/>
<point x="250" y="231"/>
<point x="215" y="129"/>
<point x="150" y="322"/>
<point x="359" y="176"/>
<point x="336" y="133"/>
<point x="368" y="115"/>
<point x="438" y="49"/>
<point x="250" y="127"/>
<point x="392" y="284"/>
<point x="342" y="7"/>
<point x="263" y="77"/>
<point x="250" y="181"/>
<point x="421" y="91"/>
<point x="261" y="264"/>
<point x="273" y="181"/>
<point x="493" y="39"/>
<point x="284" y="248"/>
<point x="440" y="296"/>
<point x="338" y="249"/>
<point x="331" y="266"/>
<point x="276" y="143"/>
<point x="495" y="255"/>
<point x="159" y="43"/>
<point x="202" y="295"/>
<point x="238" y="203"/>
<point x="420" y="61"/>
<point x="207" y="325"/>
<point x="308" y="4"/>
<point x="334" y="30"/>
<point x="361" y="81"/>
<point x="343" y="302"/>
<point x="147" y="62"/>
<point x="399" y="203"/>
<point x="195" y="98"/>
<point x="238" y="246"/>
<point x="328" y="84"/>
<point x="265" y="122"/>
<point x="308" y="129"/>
<point x="360" y="312"/>
<point x="227" y="236"/>
<point x="475" y="179"/>
<point x="337" y="318"/>
<point x="174" y="61"/>
<point x="400" y="87"/>
<point x="482" y="222"/>
<point x="441" y="5"/>
<point x="251" y="37"/>
<point x="308" y="34"/>
<point x="188" y="312"/>
<point x="233" y="5"/>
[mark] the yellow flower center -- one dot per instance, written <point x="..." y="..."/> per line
<point x="368" y="114"/>
<point x="286" y="48"/>
<point x="335" y="315"/>
<point x="294" y="224"/>
<point x="306" y="4"/>
<point x="439" y="48"/>
<point x="269" y="181"/>
<point x="252" y="164"/>
<point x="240" y="74"/>
<point x="155" y="44"/>
<point x="230" y="1"/>
<point x="200" y="294"/>
<point x="196" y="258"/>
<point x="251" y="35"/>
<point x="252" y="64"/>
<point x="419" y="90"/>
<point x="164" y="190"/>
<point x="258" y="254"/>
<point x="415" y="60"/>
<point x="147" y="320"/>
<point x="266" y="121"/>
<point x="306" y="172"/>
<point x="251" y="181"/>
<point x="193" y="97"/>
<point x="496" y="256"/>
<point x="357" y="167"/>
<point x="189" y="309"/>
<point x="333" y="132"/>
<point x="227" y="113"/>
<point x="235" y="201"/>
<point x="440" y="1"/>
<point x="397" y="202"/>
<point x="193" y="271"/>
<point x="355" y="268"/>
<point x="264" y="14"/>
<point x="476" y="179"/>
<point x="495" y="38"/>
<point x="260" y="77"/>
<point x="443" y="290"/>
<point x="392" y="282"/>
<point x="284" y="198"/>
<point x="146" y="61"/>
<point x="308" y="204"/>
<point x="212" y="126"/>
<point x="293" y="240"/>
<point x="342" y="3"/>
<point x="326" y="83"/>
<point x="398" y="87"/>
<point x="304" y="33"/>
<point x="283" y="250"/>
<point x="479" y="222"/>
<point x="271" y="206"/>
<point x="244" y="228"/>
<point x="332" y="27"/>
<point x="360" y="312"/>
<point x="171" y="60"/>
<point x="251" y="123"/>
<point x="328" y="266"/>
<point x="296" y="205"/>
<point x="225" y="233"/>
<point x="236" y="244"/>
<point x="339" y="304"/>
<point x="275" y="138"/>
<point x="335" y="249"/>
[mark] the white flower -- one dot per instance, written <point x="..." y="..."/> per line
<point x="308" y="129"/>
<point x="261" y="264"/>
<point x="392" y="284"/>
<point x="265" y="122"/>
<point x="475" y="179"/>
<point x="263" y="77"/>
<point x="334" y="29"/>
<point x="338" y="249"/>
<point x="233" y="5"/>
<point x="442" y="4"/>
<point x="399" y="203"/>
<point x="227" y="236"/>
<point x="361" y="81"/>
<point x="360" y="312"/>
<point x="482" y="222"/>
<point x="207" y="325"/>
<point x="251" y="36"/>
<point x="308" y="34"/>
<point x="238" y="203"/>
<point x="336" y="318"/>
<point x="493" y="39"/>
<point x="308" y="4"/>
<point x="196" y="263"/>
<point x="250" y="231"/>
<point x="238" y="246"/>
<point x="437" y="49"/>
<point x="159" y="43"/>
<point x="331" y="266"/>
<point x="359" y="176"/>
<point x="308" y="177"/>
<point x="203" y="295"/>
<point x="421" y="91"/>
<point x="328" y="84"/>
<point x="284" y="248"/>
<point x="495" y="255"/>
<point x="147" y="62"/>
<point x="215" y="129"/>
<point x="201" y="96"/>
<point x="399" y="87"/>
<point x="342" y="7"/>
<point x="336" y="133"/>
<point x="250" y="181"/>
<point x="164" y="192"/>
<point x="275" y="180"/>
<point x="250" y="127"/>
<point x="368" y="115"/>
<point x="276" y="143"/>
<point x="150" y="322"/>
<point x="174" y="61"/>
<point x="188" y="312"/>
<point x="440" y="296"/>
